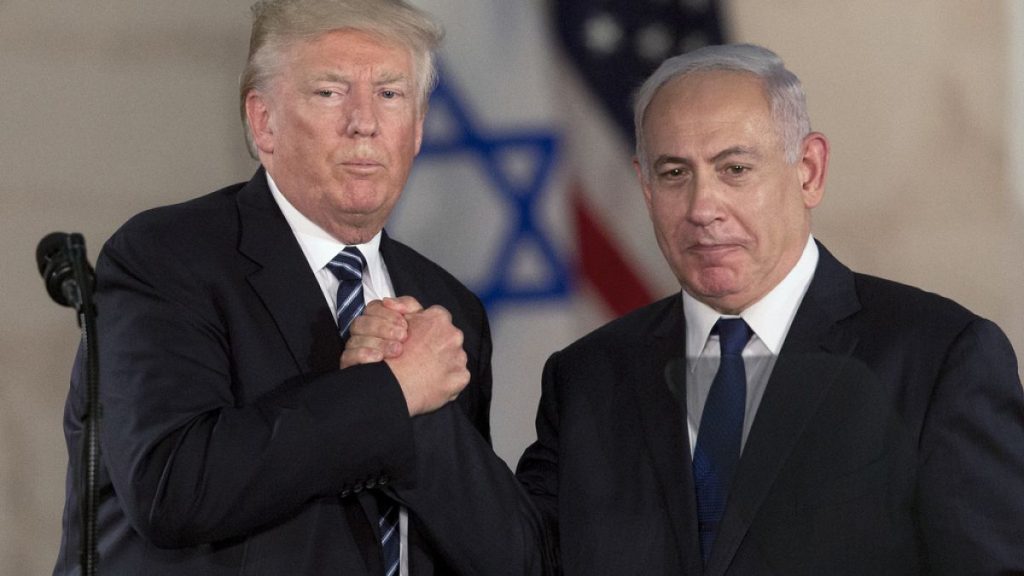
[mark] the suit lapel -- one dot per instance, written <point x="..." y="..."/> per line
<point x="661" y="389"/>
<point x="283" y="280"/>
<point x="404" y="278"/>
<point x="814" y="353"/>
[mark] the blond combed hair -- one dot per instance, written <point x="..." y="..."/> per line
<point x="279" y="24"/>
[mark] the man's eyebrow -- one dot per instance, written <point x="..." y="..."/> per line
<point x="384" y="78"/>
<point x="668" y="159"/>
<point x="735" y="151"/>
<point x="728" y="152"/>
<point x="329" y="77"/>
<point x="390" y="78"/>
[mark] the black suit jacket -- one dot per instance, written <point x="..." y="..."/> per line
<point x="890" y="440"/>
<point x="231" y="441"/>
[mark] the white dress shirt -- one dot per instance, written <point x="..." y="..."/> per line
<point x="319" y="247"/>
<point x="769" y="319"/>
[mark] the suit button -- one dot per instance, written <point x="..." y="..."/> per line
<point x="371" y="483"/>
<point x="346" y="492"/>
<point x="357" y="488"/>
<point x="383" y="480"/>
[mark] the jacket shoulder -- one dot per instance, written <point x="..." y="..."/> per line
<point x="416" y="265"/>
<point x="909" y="307"/>
<point x="207" y="213"/>
<point x="662" y="316"/>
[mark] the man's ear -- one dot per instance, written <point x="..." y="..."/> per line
<point x="813" y="167"/>
<point x="644" y="184"/>
<point x="261" y="126"/>
<point x="419" y="129"/>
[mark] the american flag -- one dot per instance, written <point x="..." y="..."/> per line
<point x="613" y="45"/>
<point x="616" y="44"/>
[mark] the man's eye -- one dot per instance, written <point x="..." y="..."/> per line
<point x="389" y="94"/>
<point x="736" y="169"/>
<point x="325" y="93"/>
<point x="673" y="173"/>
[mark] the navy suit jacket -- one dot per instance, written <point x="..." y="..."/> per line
<point x="890" y="440"/>
<point x="231" y="441"/>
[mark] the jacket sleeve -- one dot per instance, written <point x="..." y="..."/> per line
<point x="971" y="469"/>
<point x="194" y="454"/>
<point x="538" y="468"/>
<point x="468" y="503"/>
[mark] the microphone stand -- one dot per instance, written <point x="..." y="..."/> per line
<point x="83" y="303"/>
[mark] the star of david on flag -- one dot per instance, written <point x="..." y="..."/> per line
<point x="513" y="166"/>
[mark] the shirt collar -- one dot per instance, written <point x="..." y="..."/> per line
<point x="317" y="244"/>
<point x="769" y="318"/>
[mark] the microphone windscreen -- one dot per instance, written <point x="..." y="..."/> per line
<point x="48" y="247"/>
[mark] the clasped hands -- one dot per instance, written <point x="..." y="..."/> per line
<point x="421" y="346"/>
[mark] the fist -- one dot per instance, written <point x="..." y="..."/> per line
<point x="432" y="365"/>
<point x="379" y="332"/>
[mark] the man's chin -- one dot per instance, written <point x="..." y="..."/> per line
<point x="359" y="203"/>
<point x="717" y="288"/>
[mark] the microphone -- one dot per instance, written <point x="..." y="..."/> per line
<point x="70" y="280"/>
<point x="56" y="257"/>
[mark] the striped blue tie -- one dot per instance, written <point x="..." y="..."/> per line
<point x="390" y="539"/>
<point x="347" y="267"/>
<point x="721" y="432"/>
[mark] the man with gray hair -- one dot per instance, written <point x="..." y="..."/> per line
<point x="237" y="437"/>
<point x="783" y="414"/>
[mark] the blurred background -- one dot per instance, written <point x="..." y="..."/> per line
<point x="524" y="187"/>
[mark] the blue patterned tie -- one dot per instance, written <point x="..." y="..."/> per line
<point x="721" y="432"/>
<point x="347" y="267"/>
<point x="390" y="539"/>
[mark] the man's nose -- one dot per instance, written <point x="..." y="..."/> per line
<point x="361" y="119"/>
<point x="705" y="203"/>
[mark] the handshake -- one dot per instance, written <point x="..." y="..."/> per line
<point x="421" y="346"/>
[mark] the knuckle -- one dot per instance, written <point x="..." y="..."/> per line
<point x="440" y="311"/>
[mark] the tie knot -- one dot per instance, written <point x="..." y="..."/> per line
<point x="348" y="264"/>
<point x="733" y="334"/>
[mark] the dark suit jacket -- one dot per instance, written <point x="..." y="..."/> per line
<point x="231" y="441"/>
<point x="890" y="440"/>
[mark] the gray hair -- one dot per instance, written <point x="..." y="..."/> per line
<point x="279" y="24"/>
<point x="782" y="89"/>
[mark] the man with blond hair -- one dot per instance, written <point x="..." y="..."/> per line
<point x="237" y="438"/>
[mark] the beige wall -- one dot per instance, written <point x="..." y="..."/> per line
<point x="914" y="96"/>
<point x="109" y="107"/>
